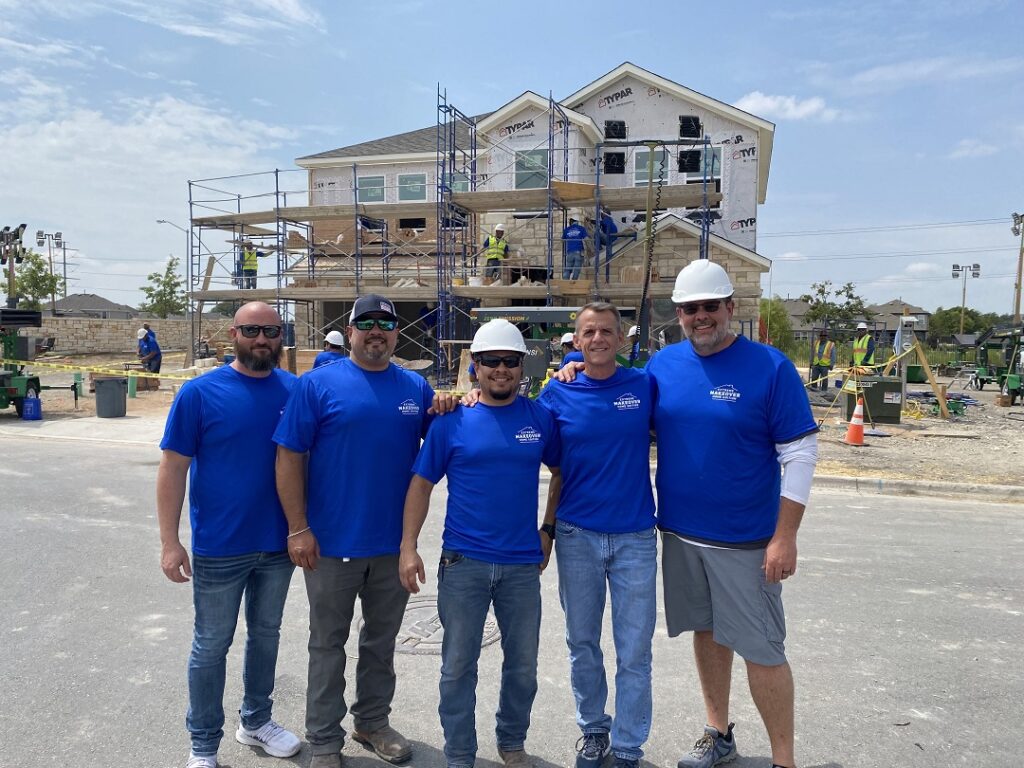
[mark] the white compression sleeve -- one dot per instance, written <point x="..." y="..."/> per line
<point x="798" y="459"/>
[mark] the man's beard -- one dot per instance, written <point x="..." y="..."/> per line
<point x="258" y="364"/>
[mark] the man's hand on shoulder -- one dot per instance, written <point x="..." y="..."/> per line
<point x="175" y="563"/>
<point x="568" y="373"/>
<point x="443" y="402"/>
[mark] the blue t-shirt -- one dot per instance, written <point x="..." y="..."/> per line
<point x="572" y="357"/>
<point x="147" y="345"/>
<point x="718" y="419"/>
<point x="362" y="430"/>
<point x="604" y="425"/>
<point x="574" y="235"/>
<point x="325" y="357"/>
<point x="492" y="457"/>
<point x="224" y="421"/>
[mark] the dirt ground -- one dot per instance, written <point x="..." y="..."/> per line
<point x="985" y="445"/>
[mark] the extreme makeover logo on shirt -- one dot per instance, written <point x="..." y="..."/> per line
<point x="409" y="408"/>
<point x="626" y="402"/>
<point x="726" y="392"/>
<point x="528" y="435"/>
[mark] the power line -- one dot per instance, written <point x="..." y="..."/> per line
<point x="900" y="280"/>
<point x="890" y="228"/>
<point x="889" y="254"/>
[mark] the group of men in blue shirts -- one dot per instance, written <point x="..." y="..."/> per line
<point x="727" y="413"/>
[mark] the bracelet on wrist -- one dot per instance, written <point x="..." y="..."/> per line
<point x="292" y="535"/>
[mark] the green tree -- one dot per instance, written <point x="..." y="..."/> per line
<point x="33" y="282"/>
<point x="833" y="306"/>
<point x="779" y="329"/>
<point x="945" y="322"/>
<point x="165" y="294"/>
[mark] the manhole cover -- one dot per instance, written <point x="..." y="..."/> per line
<point x="421" y="630"/>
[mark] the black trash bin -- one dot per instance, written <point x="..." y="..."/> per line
<point x="111" y="397"/>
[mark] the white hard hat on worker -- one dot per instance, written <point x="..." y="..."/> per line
<point x="703" y="299"/>
<point x="701" y="280"/>
<point x="498" y="336"/>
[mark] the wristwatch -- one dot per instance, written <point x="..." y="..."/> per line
<point x="549" y="529"/>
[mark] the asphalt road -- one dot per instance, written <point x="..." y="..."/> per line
<point x="906" y="622"/>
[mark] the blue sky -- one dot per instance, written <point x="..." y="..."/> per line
<point x="890" y="115"/>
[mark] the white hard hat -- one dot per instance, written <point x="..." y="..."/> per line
<point x="335" y="338"/>
<point x="567" y="338"/>
<point x="141" y="333"/>
<point x="634" y="330"/>
<point x="499" y="228"/>
<point x="497" y="336"/>
<point x="862" y="326"/>
<point x="701" y="280"/>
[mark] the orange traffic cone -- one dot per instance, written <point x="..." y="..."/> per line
<point x="855" y="432"/>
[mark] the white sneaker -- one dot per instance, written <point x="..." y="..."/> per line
<point x="201" y="761"/>
<point x="273" y="739"/>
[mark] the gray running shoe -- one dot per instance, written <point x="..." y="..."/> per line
<point x="595" y="748"/>
<point x="710" y="749"/>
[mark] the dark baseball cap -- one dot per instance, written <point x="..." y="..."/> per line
<point x="372" y="304"/>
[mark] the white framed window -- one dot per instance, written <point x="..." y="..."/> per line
<point x="460" y="182"/>
<point x="532" y="169"/>
<point x="412" y="186"/>
<point x="371" y="189"/>
<point x="642" y="158"/>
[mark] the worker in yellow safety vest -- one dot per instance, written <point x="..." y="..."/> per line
<point x="863" y="347"/>
<point x="495" y="249"/>
<point x="249" y="264"/>
<point x="823" y="360"/>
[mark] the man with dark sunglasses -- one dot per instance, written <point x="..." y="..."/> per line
<point x="600" y="518"/>
<point x="491" y="551"/>
<point x="220" y="425"/>
<point x="729" y="413"/>
<point x="363" y="416"/>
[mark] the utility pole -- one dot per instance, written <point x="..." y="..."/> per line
<point x="961" y="272"/>
<point x="1018" y="229"/>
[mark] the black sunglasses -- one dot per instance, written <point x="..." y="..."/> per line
<point x="709" y="306"/>
<point x="252" y="331"/>
<point x="493" y="361"/>
<point x="366" y="325"/>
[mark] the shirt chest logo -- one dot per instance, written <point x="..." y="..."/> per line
<point x="725" y="393"/>
<point x="626" y="402"/>
<point x="528" y="436"/>
<point x="409" y="408"/>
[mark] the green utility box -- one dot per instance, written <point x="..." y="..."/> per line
<point x="883" y="400"/>
<point x="915" y="375"/>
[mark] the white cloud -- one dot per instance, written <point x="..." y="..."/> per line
<point x="925" y="268"/>
<point x="968" y="148"/>
<point x="787" y="107"/>
<point x="790" y="256"/>
<point x="935" y="69"/>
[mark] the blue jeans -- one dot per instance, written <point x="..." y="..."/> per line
<point x="628" y="564"/>
<point x="573" y="265"/>
<point x="465" y="590"/>
<point x="218" y="585"/>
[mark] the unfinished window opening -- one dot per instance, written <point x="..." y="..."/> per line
<point x="615" y="129"/>
<point x="412" y="223"/>
<point x="615" y="162"/>
<point x="690" y="127"/>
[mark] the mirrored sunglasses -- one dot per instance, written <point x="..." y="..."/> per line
<point x="366" y="325"/>
<point x="252" y="331"/>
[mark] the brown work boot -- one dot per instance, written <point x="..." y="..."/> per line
<point x="516" y="759"/>
<point x="388" y="743"/>
<point x="326" y="761"/>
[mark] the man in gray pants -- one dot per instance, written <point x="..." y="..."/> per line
<point x="354" y="427"/>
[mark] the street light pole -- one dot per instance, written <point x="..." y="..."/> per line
<point x="50" y="239"/>
<point x="961" y="271"/>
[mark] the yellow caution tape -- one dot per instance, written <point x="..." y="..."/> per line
<point x="96" y="369"/>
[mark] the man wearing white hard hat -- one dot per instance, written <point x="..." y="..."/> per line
<point x="495" y="250"/>
<point x="569" y="352"/>
<point x="729" y="414"/>
<point x="334" y="349"/>
<point x="149" y="351"/>
<point x="863" y="347"/>
<point x="491" y="548"/>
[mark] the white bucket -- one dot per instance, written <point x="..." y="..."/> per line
<point x="476" y="281"/>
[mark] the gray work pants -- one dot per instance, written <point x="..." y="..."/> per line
<point x="332" y="590"/>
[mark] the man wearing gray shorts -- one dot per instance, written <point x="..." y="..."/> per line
<point x="728" y="414"/>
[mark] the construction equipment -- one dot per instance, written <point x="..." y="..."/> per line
<point x="15" y="385"/>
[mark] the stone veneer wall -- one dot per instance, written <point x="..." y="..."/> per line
<point x="86" y="335"/>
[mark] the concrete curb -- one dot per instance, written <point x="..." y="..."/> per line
<point x="936" y="488"/>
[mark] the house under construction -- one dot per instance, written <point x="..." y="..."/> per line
<point x="407" y="215"/>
